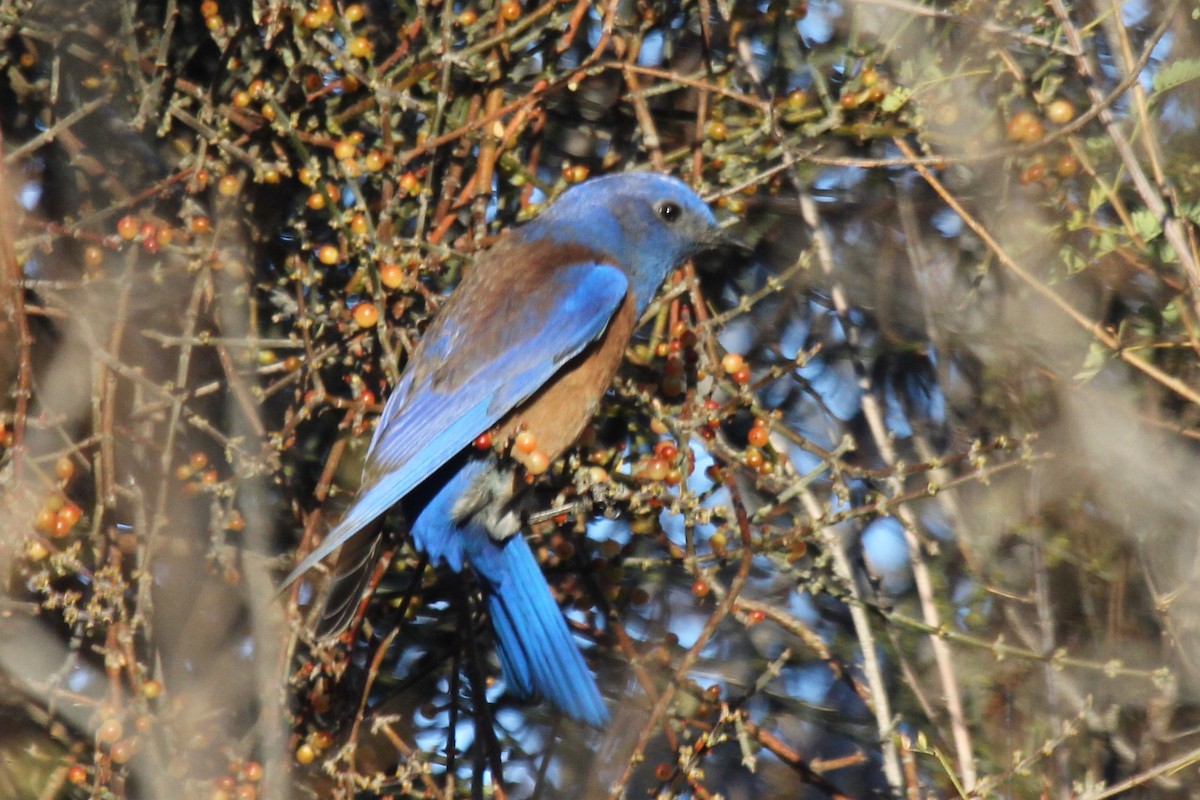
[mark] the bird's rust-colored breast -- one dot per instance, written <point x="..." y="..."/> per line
<point x="558" y="413"/>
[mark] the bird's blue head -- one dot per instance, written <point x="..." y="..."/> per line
<point x="646" y="222"/>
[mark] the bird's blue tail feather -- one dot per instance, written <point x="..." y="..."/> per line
<point x="537" y="651"/>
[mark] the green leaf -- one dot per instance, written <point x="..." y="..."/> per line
<point x="1072" y="259"/>
<point x="1176" y="74"/>
<point x="1146" y="224"/>
<point x="1097" y="357"/>
<point x="896" y="98"/>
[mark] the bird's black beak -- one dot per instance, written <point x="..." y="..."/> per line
<point x="721" y="240"/>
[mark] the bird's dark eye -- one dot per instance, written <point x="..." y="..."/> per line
<point x="669" y="211"/>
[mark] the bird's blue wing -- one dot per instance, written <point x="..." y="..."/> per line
<point x="430" y="417"/>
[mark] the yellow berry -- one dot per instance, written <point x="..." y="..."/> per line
<point x="359" y="47"/>
<point x="1060" y="111"/>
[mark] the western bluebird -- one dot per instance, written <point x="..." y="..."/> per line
<point x="525" y="346"/>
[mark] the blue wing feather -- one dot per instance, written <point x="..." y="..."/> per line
<point x="426" y="422"/>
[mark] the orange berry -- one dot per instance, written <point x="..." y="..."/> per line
<point x="1066" y="165"/>
<point x="44" y="520"/>
<point x="122" y="751"/>
<point x="1024" y="127"/>
<point x="732" y="362"/>
<point x="343" y="150"/>
<point x="151" y="689"/>
<point x="718" y="131"/>
<point x="525" y="442"/>
<point x="654" y="469"/>
<point x="700" y="588"/>
<point x="241" y="98"/>
<point x="110" y="731"/>
<point x="70" y="514"/>
<point x="77" y="774"/>
<point x="467" y="17"/>
<point x="537" y="462"/>
<point x="510" y="11"/>
<point x="198" y="460"/>
<point x="200" y="224"/>
<point x="754" y="457"/>
<point x="328" y="254"/>
<point x="228" y="185"/>
<point x="316" y="201"/>
<point x="741" y="376"/>
<point x="757" y="436"/>
<point x="252" y="772"/>
<point x="60" y="528"/>
<point x="64" y="468"/>
<point x="354" y="12"/>
<point x="365" y="315"/>
<point x="483" y="441"/>
<point x="358" y="223"/>
<point x="93" y="256"/>
<point x="666" y="450"/>
<point x="755" y="617"/>
<point x="409" y="183"/>
<point x="305" y="753"/>
<point x="391" y="276"/>
<point x="127" y="227"/>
